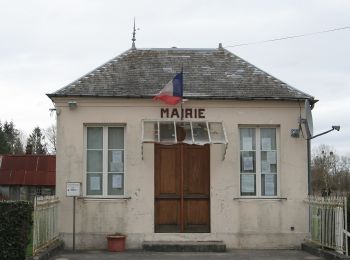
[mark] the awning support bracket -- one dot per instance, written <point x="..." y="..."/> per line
<point x="142" y="151"/>
<point x="225" y="151"/>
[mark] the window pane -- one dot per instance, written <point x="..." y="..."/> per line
<point x="217" y="133"/>
<point x="94" y="184"/>
<point x="268" y="162"/>
<point x="115" y="184"/>
<point x="150" y="131"/>
<point x="268" y="184"/>
<point x="247" y="136"/>
<point x="248" y="186"/>
<point x="94" y="161"/>
<point x="200" y="132"/>
<point x="268" y="139"/>
<point x="116" y="161"/>
<point x="94" y="138"/>
<point x="167" y="131"/>
<point x="248" y="162"/>
<point x="115" y="138"/>
<point x="183" y="132"/>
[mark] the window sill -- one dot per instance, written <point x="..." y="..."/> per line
<point x="260" y="198"/>
<point x="125" y="198"/>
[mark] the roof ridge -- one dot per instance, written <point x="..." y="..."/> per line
<point x="176" y="48"/>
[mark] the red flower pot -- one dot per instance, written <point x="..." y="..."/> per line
<point x="116" y="243"/>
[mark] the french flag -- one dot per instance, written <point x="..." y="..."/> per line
<point x="173" y="91"/>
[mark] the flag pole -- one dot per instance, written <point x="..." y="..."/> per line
<point x="182" y="113"/>
<point x="182" y="101"/>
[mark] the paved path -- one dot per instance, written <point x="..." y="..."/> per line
<point x="234" y="254"/>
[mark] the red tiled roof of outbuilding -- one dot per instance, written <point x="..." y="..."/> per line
<point x="31" y="170"/>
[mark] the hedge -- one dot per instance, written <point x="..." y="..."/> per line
<point x="15" y="225"/>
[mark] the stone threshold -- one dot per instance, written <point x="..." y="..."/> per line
<point x="184" y="246"/>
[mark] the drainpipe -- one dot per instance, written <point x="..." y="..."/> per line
<point x="309" y="180"/>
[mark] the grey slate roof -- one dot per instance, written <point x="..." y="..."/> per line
<point x="208" y="74"/>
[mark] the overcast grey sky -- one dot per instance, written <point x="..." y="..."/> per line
<point x="45" y="45"/>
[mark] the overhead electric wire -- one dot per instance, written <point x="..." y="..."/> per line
<point x="289" y="37"/>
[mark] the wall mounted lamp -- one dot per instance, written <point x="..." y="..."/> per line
<point x="57" y="110"/>
<point x="72" y="104"/>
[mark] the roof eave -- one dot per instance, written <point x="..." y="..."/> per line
<point x="310" y="98"/>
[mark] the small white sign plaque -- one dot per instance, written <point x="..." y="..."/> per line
<point x="73" y="189"/>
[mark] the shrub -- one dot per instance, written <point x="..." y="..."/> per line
<point x="15" y="225"/>
<point x="348" y="212"/>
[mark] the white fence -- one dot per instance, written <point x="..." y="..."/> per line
<point x="328" y="222"/>
<point x="45" y="222"/>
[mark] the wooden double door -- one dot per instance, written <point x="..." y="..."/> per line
<point x="182" y="188"/>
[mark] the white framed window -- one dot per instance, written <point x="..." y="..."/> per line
<point x="104" y="153"/>
<point x="259" y="161"/>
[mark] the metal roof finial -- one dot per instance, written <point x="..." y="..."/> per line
<point x="133" y="46"/>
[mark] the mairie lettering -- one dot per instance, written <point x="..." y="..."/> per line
<point x="182" y="113"/>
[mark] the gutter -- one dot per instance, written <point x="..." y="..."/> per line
<point x="311" y="99"/>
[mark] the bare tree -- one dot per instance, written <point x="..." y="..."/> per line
<point x="330" y="172"/>
<point x="50" y="134"/>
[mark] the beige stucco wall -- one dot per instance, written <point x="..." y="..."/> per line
<point x="241" y="223"/>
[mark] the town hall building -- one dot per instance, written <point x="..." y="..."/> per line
<point x="221" y="165"/>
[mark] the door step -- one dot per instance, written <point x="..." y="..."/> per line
<point x="184" y="246"/>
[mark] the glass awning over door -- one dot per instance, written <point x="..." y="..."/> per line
<point x="190" y="132"/>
